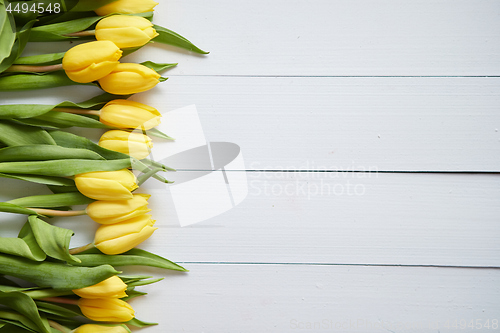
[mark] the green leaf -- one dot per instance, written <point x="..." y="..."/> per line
<point x="41" y="59"/>
<point x="26" y="234"/>
<point x="56" y="119"/>
<point x="45" y="152"/>
<point x="170" y="37"/>
<point x="139" y="323"/>
<point x="54" y="274"/>
<point x="52" y="200"/>
<point x="158" y="67"/>
<point x="19" y="247"/>
<point x="17" y="135"/>
<point x="33" y="81"/>
<point x="57" y="310"/>
<point x="63" y="168"/>
<point x="18" y="47"/>
<point x="70" y="140"/>
<point x="132" y="294"/>
<point x="15" y="209"/>
<point x="134" y="257"/>
<point x="56" y="31"/>
<point x="26" y="306"/>
<point x="62" y="189"/>
<point x="46" y="180"/>
<point x="144" y="282"/>
<point x="54" y="241"/>
<point x="7" y="32"/>
<point x="159" y="134"/>
<point x="18" y="322"/>
<point x="20" y="111"/>
<point x="94" y="102"/>
<point x="88" y="5"/>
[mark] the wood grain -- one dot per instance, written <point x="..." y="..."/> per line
<point x="332" y="38"/>
<point x="340" y="218"/>
<point x="287" y="298"/>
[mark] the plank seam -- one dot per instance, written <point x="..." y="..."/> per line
<point x="329" y="264"/>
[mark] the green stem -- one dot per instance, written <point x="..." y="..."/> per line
<point x="60" y="300"/>
<point x="34" y="68"/>
<point x="78" y="111"/>
<point x="84" y="33"/>
<point x="59" y="327"/>
<point x="53" y="212"/>
<point x="76" y="250"/>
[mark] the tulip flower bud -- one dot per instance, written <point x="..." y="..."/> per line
<point x="91" y="61"/>
<point x="129" y="78"/>
<point x="93" y="328"/>
<point x="106" y="309"/>
<point x="125" y="30"/>
<point x="107" y="185"/>
<point x="126" y="7"/>
<point x="121" y="113"/>
<point x="120" y="237"/>
<point x="109" y="212"/>
<point x="112" y="287"/>
<point x="136" y="145"/>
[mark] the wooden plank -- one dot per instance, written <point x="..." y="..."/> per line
<point x="423" y="124"/>
<point x="335" y="218"/>
<point x="384" y="124"/>
<point x="308" y="298"/>
<point x="332" y="38"/>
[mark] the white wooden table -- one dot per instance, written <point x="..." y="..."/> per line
<point x="397" y="101"/>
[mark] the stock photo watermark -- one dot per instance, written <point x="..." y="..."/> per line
<point x="309" y="180"/>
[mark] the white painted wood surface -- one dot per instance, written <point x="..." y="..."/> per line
<point x="336" y="37"/>
<point x="320" y="85"/>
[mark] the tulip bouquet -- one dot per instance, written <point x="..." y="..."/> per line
<point x="45" y="284"/>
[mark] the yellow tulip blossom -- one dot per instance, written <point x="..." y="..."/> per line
<point x="125" y="30"/>
<point x="134" y="144"/>
<point x="93" y="328"/>
<point x="91" y="61"/>
<point x="120" y="237"/>
<point x="109" y="212"/>
<point x="107" y="185"/>
<point x="122" y="113"/>
<point x="129" y="78"/>
<point x="112" y="287"/>
<point x="126" y="7"/>
<point x="106" y="309"/>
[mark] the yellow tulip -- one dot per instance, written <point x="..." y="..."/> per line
<point x="91" y="61"/>
<point x="109" y="212"/>
<point x="129" y="78"/>
<point x="120" y="237"/>
<point x="112" y="287"/>
<point x="122" y="113"/>
<point x="125" y="30"/>
<point x="107" y="185"/>
<point x="134" y="144"/>
<point x="106" y="309"/>
<point x="126" y="7"/>
<point x="93" y="328"/>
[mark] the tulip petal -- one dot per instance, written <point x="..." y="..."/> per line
<point x="121" y="237"/>
<point x="102" y="189"/>
<point x="126" y="7"/>
<point x="129" y="78"/>
<point x="106" y="309"/>
<point x="129" y="114"/>
<point x="110" y="212"/>
<point x="91" y="61"/>
<point x="112" y="287"/>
